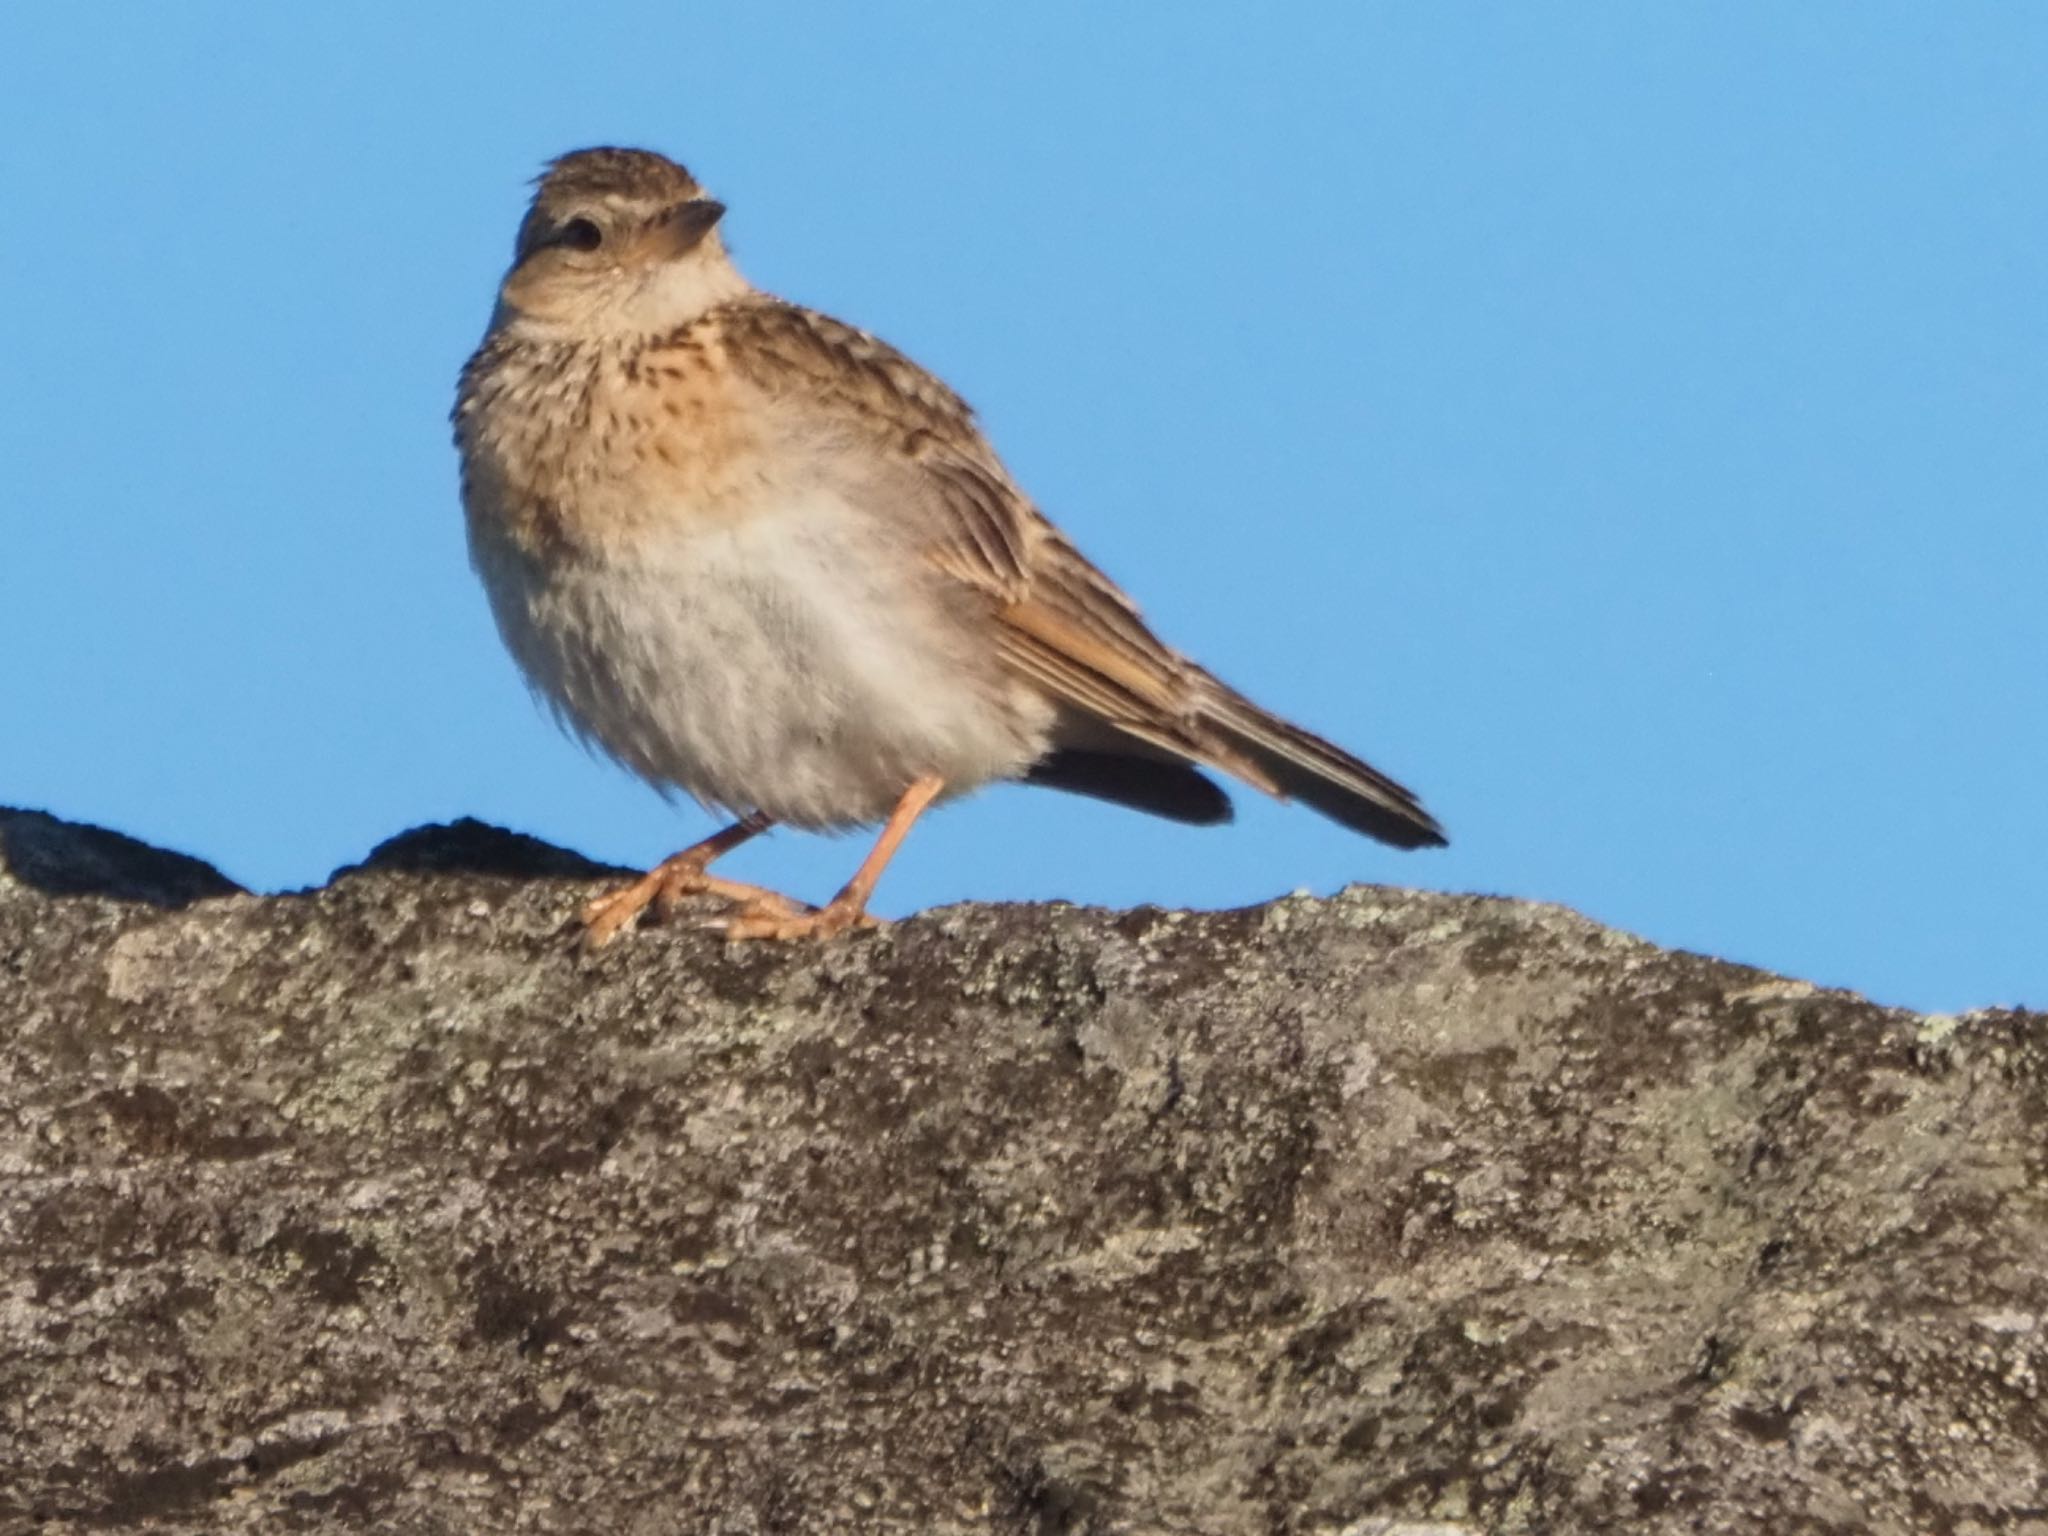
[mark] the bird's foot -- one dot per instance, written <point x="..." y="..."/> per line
<point x="666" y="887"/>
<point x="836" y="917"/>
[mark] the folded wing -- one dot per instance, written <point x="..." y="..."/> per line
<point x="1140" y="715"/>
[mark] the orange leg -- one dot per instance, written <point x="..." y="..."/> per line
<point x="849" y="907"/>
<point x="684" y="875"/>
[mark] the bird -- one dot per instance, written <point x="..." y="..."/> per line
<point x="760" y="557"/>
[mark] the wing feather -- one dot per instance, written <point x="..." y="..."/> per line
<point x="1060" y="623"/>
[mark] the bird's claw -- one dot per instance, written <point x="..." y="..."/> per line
<point x="665" y="890"/>
<point x="777" y="926"/>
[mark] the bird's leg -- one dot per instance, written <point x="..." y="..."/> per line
<point x="849" y="907"/>
<point x="684" y="874"/>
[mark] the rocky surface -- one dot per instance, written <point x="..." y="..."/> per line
<point x="382" y="1208"/>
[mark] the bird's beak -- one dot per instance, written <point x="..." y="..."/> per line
<point x="686" y="226"/>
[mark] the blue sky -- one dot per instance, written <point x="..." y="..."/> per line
<point x="1628" y="424"/>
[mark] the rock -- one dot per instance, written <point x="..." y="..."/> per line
<point x="381" y="1207"/>
<point x="65" y="859"/>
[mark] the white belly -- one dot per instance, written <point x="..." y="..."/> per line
<point x="781" y="663"/>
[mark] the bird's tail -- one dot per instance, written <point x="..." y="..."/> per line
<point x="1300" y="765"/>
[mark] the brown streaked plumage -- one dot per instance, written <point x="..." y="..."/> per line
<point x="761" y="556"/>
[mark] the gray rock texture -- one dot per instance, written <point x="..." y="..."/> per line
<point x="382" y="1208"/>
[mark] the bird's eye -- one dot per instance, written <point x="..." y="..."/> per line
<point x="581" y="235"/>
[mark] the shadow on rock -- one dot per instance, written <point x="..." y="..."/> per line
<point x="62" y="858"/>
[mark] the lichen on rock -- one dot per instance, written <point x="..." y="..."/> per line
<point x="382" y="1207"/>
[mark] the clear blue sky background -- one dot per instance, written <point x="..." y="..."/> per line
<point x="1627" y="423"/>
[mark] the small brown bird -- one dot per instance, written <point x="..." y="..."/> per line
<point x="763" y="557"/>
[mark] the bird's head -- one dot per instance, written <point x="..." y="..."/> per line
<point x="618" y="242"/>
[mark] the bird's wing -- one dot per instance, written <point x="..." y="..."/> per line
<point x="1061" y="624"/>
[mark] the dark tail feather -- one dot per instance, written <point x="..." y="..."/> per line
<point x="1322" y="774"/>
<point x="1173" y="790"/>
